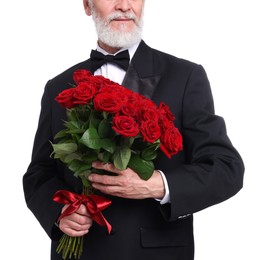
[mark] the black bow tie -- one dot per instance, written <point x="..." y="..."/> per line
<point x="122" y="59"/>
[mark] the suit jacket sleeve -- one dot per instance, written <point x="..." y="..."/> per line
<point x="212" y="170"/>
<point x="41" y="180"/>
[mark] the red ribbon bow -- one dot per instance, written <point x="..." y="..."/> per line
<point x="95" y="204"/>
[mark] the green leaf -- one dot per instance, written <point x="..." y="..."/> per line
<point x="104" y="157"/>
<point x="73" y="125"/>
<point x="59" y="156"/>
<point x="78" y="167"/>
<point x="64" y="148"/>
<point x="139" y="144"/>
<point x="129" y="141"/>
<point x="61" y="134"/>
<point x="144" y="168"/>
<point x="90" y="157"/>
<point x="121" y="157"/>
<point x="108" y="145"/>
<point x="95" y="119"/>
<point x="105" y="114"/>
<point x="71" y="114"/>
<point x="74" y="165"/>
<point x="150" y="152"/>
<point x="105" y="130"/>
<point x="79" y="113"/>
<point x="91" y="139"/>
<point x="75" y="131"/>
<point x="84" y="177"/>
<point x="70" y="157"/>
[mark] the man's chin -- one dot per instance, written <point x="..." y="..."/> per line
<point x="122" y="37"/>
<point x="122" y="27"/>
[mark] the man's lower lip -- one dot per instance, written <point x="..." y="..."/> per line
<point x="122" y="20"/>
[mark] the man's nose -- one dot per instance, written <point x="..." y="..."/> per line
<point x="123" y="5"/>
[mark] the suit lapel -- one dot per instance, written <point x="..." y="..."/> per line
<point x="87" y="65"/>
<point x="140" y="76"/>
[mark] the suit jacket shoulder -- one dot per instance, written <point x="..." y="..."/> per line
<point x="160" y="61"/>
<point x="65" y="78"/>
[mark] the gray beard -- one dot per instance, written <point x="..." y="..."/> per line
<point x="119" y="38"/>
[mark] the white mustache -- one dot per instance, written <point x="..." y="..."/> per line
<point x="118" y="15"/>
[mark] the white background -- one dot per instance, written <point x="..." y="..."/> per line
<point x="40" y="39"/>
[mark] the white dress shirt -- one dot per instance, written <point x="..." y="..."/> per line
<point x="117" y="74"/>
<point x="112" y="71"/>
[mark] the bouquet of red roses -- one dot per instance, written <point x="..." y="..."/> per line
<point x="109" y="123"/>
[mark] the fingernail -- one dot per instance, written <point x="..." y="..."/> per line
<point x="94" y="164"/>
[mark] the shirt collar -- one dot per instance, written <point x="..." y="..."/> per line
<point x="131" y="50"/>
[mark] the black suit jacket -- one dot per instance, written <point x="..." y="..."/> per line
<point x="207" y="172"/>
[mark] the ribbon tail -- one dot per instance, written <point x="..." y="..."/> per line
<point x="101" y="220"/>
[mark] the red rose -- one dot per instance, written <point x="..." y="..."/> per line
<point x="117" y="89"/>
<point x="171" y="141"/>
<point x="99" y="81"/>
<point x="107" y="89"/>
<point x="165" y="124"/>
<point x="129" y="110"/>
<point x="166" y="112"/>
<point x="66" y="98"/>
<point x="125" y="126"/>
<point x="148" y="114"/>
<point x="107" y="102"/>
<point x="134" y="98"/>
<point x="84" y="92"/>
<point x="110" y="84"/>
<point x="148" y="103"/>
<point x="81" y="75"/>
<point x="150" y="131"/>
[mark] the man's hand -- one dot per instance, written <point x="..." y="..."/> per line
<point x="127" y="183"/>
<point x="77" y="224"/>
